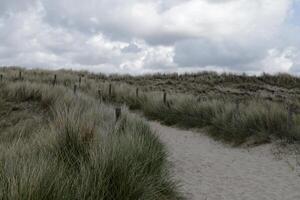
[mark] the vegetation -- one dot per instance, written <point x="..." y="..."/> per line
<point x="55" y="144"/>
<point x="58" y="141"/>
<point x="225" y="119"/>
<point x="233" y="108"/>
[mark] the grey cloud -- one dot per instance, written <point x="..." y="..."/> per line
<point x="167" y="4"/>
<point x="289" y="36"/>
<point x="12" y="6"/>
<point x="132" y="48"/>
<point x="203" y="52"/>
<point x="90" y="59"/>
<point x="296" y="68"/>
<point x="111" y="17"/>
<point x="164" y="38"/>
<point x="220" y="1"/>
<point x="89" y="17"/>
<point x="57" y="31"/>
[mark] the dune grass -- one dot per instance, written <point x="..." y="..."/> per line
<point x="233" y="108"/>
<point x="59" y="145"/>
<point x="223" y="118"/>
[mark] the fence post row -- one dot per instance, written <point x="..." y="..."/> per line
<point x="118" y="113"/>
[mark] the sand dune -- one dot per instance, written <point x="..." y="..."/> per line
<point x="209" y="170"/>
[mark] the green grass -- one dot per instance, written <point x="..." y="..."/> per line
<point x="57" y="145"/>
<point x="223" y="118"/>
<point x="201" y="100"/>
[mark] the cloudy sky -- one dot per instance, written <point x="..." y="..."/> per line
<point x="144" y="36"/>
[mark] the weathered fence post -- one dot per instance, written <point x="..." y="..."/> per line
<point x="137" y="92"/>
<point x="237" y="105"/>
<point x="79" y="80"/>
<point x="99" y="94"/>
<point x="118" y="113"/>
<point x="54" y="80"/>
<point x="75" y="88"/>
<point x="289" y="116"/>
<point x="110" y="90"/>
<point x="20" y="75"/>
<point x="165" y="97"/>
<point x="1" y="77"/>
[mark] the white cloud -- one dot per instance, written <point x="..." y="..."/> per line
<point x="280" y="61"/>
<point x="137" y="36"/>
<point x="237" y="18"/>
<point x="184" y="19"/>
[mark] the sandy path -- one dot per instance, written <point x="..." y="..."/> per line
<point x="208" y="170"/>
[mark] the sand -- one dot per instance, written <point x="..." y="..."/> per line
<point x="210" y="170"/>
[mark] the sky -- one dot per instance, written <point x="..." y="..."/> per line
<point x="149" y="36"/>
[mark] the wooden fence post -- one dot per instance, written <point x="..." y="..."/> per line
<point x="137" y="92"/>
<point x="165" y="97"/>
<point x="118" y="113"/>
<point x="110" y="90"/>
<point x="237" y="105"/>
<point x="1" y="77"/>
<point x="54" y="80"/>
<point x="79" y="80"/>
<point x="99" y="94"/>
<point x="75" y="88"/>
<point x="20" y="75"/>
<point x="289" y="116"/>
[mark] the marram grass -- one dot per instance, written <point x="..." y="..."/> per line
<point x="64" y="146"/>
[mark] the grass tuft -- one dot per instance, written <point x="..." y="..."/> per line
<point x="72" y="148"/>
